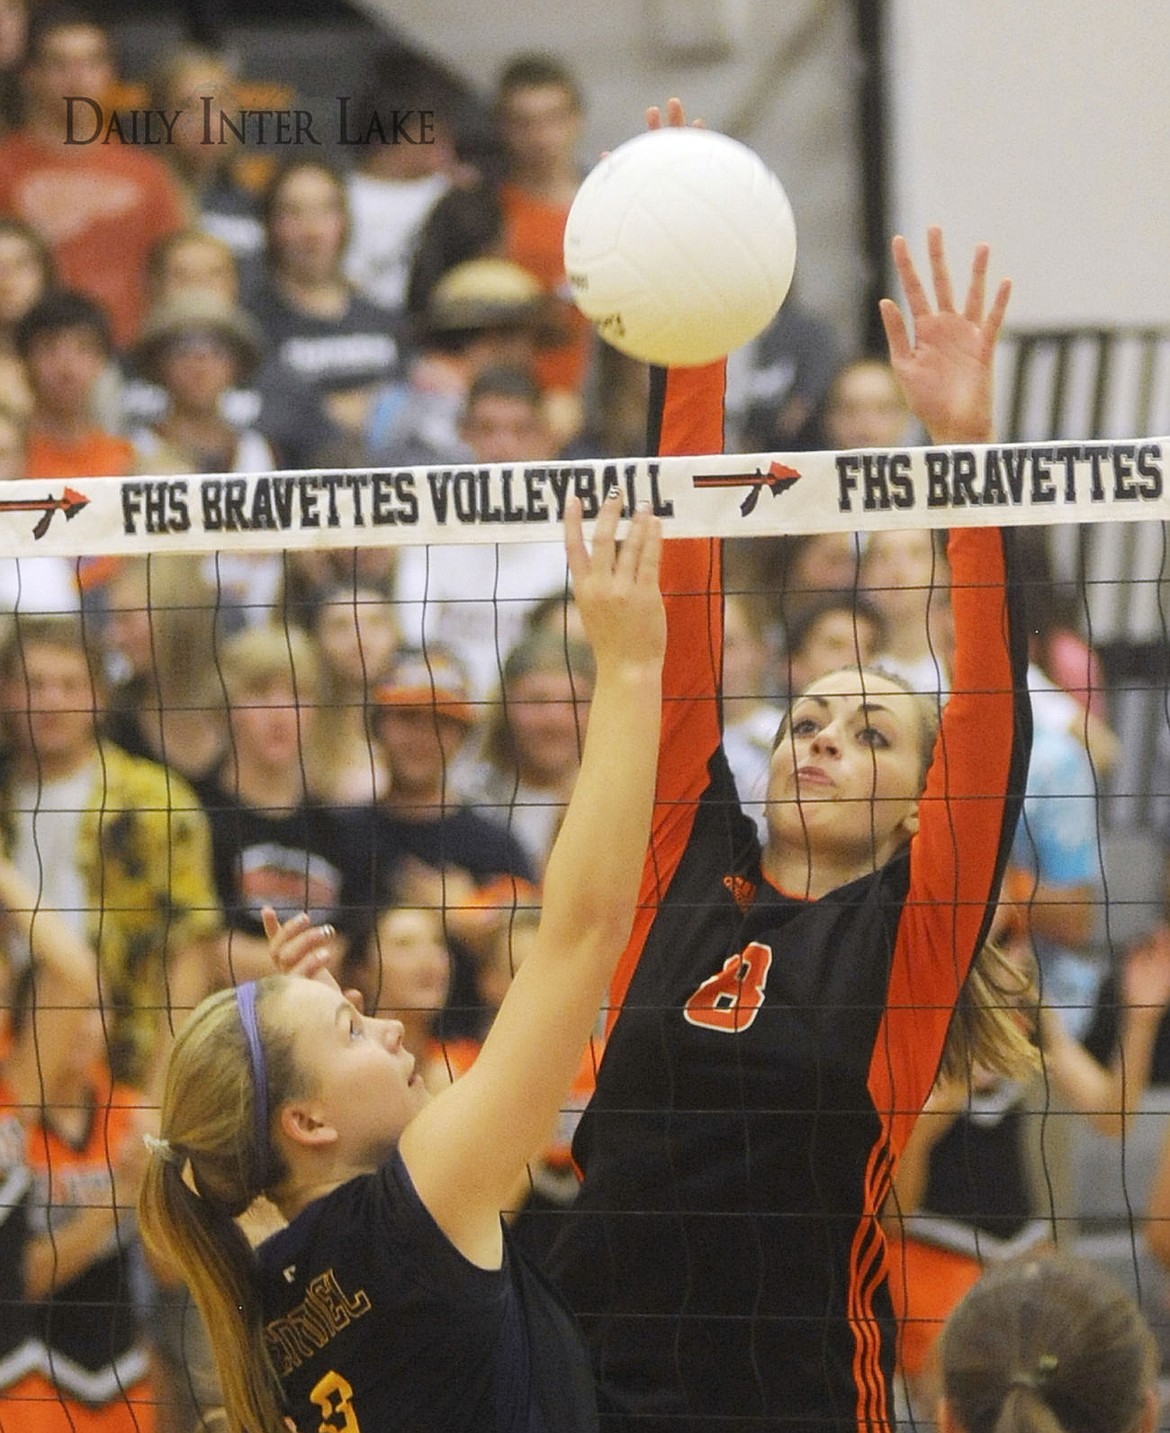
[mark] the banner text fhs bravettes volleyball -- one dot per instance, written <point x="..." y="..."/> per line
<point x="704" y="496"/>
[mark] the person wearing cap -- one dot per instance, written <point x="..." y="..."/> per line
<point x="483" y="313"/>
<point x="288" y="411"/>
<point x="495" y="303"/>
<point x="421" y="843"/>
<point x="197" y="345"/>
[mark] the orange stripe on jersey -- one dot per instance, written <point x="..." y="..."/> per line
<point x="964" y="830"/>
<point x="691" y="421"/>
<point x="867" y="1268"/>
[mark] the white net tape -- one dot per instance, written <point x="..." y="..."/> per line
<point x="741" y="495"/>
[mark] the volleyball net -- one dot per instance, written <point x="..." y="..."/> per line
<point x="293" y="687"/>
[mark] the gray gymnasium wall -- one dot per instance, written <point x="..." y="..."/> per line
<point x="1043" y="128"/>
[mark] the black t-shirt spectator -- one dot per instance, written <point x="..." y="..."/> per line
<point x="357" y="350"/>
<point x="293" y="860"/>
<point x="460" y="838"/>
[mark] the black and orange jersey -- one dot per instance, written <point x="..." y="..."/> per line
<point x="19" y="1352"/>
<point x="769" y="1054"/>
<point x="94" y="1351"/>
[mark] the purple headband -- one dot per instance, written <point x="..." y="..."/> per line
<point x="246" y="1000"/>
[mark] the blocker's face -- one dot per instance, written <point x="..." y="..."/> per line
<point x="847" y="770"/>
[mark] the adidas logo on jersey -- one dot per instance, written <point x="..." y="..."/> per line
<point x="743" y="891"/>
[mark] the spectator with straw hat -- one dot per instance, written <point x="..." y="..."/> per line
<point x="483" y="313"/>
<point x="197" y="345"/>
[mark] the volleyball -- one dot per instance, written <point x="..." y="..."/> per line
<point x="680" y="246"/>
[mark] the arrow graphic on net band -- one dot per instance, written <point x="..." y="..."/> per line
<point x="778" y="479"/>
<point x="70" y="503"/>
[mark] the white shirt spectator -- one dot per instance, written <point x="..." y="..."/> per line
<point x="386" y="219"/>
<point x="473" y="600"/>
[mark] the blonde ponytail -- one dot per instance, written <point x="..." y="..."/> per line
<point x="205" y="1172"/>
<point x="994" y="1024"/>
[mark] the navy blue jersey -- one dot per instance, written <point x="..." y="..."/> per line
<point x="372" y="1314"/>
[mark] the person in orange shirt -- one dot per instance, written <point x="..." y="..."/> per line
<point x="86" y="1156"/>
<point x="539" y="112"/>
<point x="98" y="203"/>
<point x="65" y="343"/>
<point x="68" y="1361"/>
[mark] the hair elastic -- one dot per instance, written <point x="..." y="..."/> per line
<point x="1037" y="1377"/>
<point x="163" y="1148"/>
<point x="246" y="1000"/>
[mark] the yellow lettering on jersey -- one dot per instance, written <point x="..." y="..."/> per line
<point x="333" y="1395"/>
<point x="325" y="1310"/>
